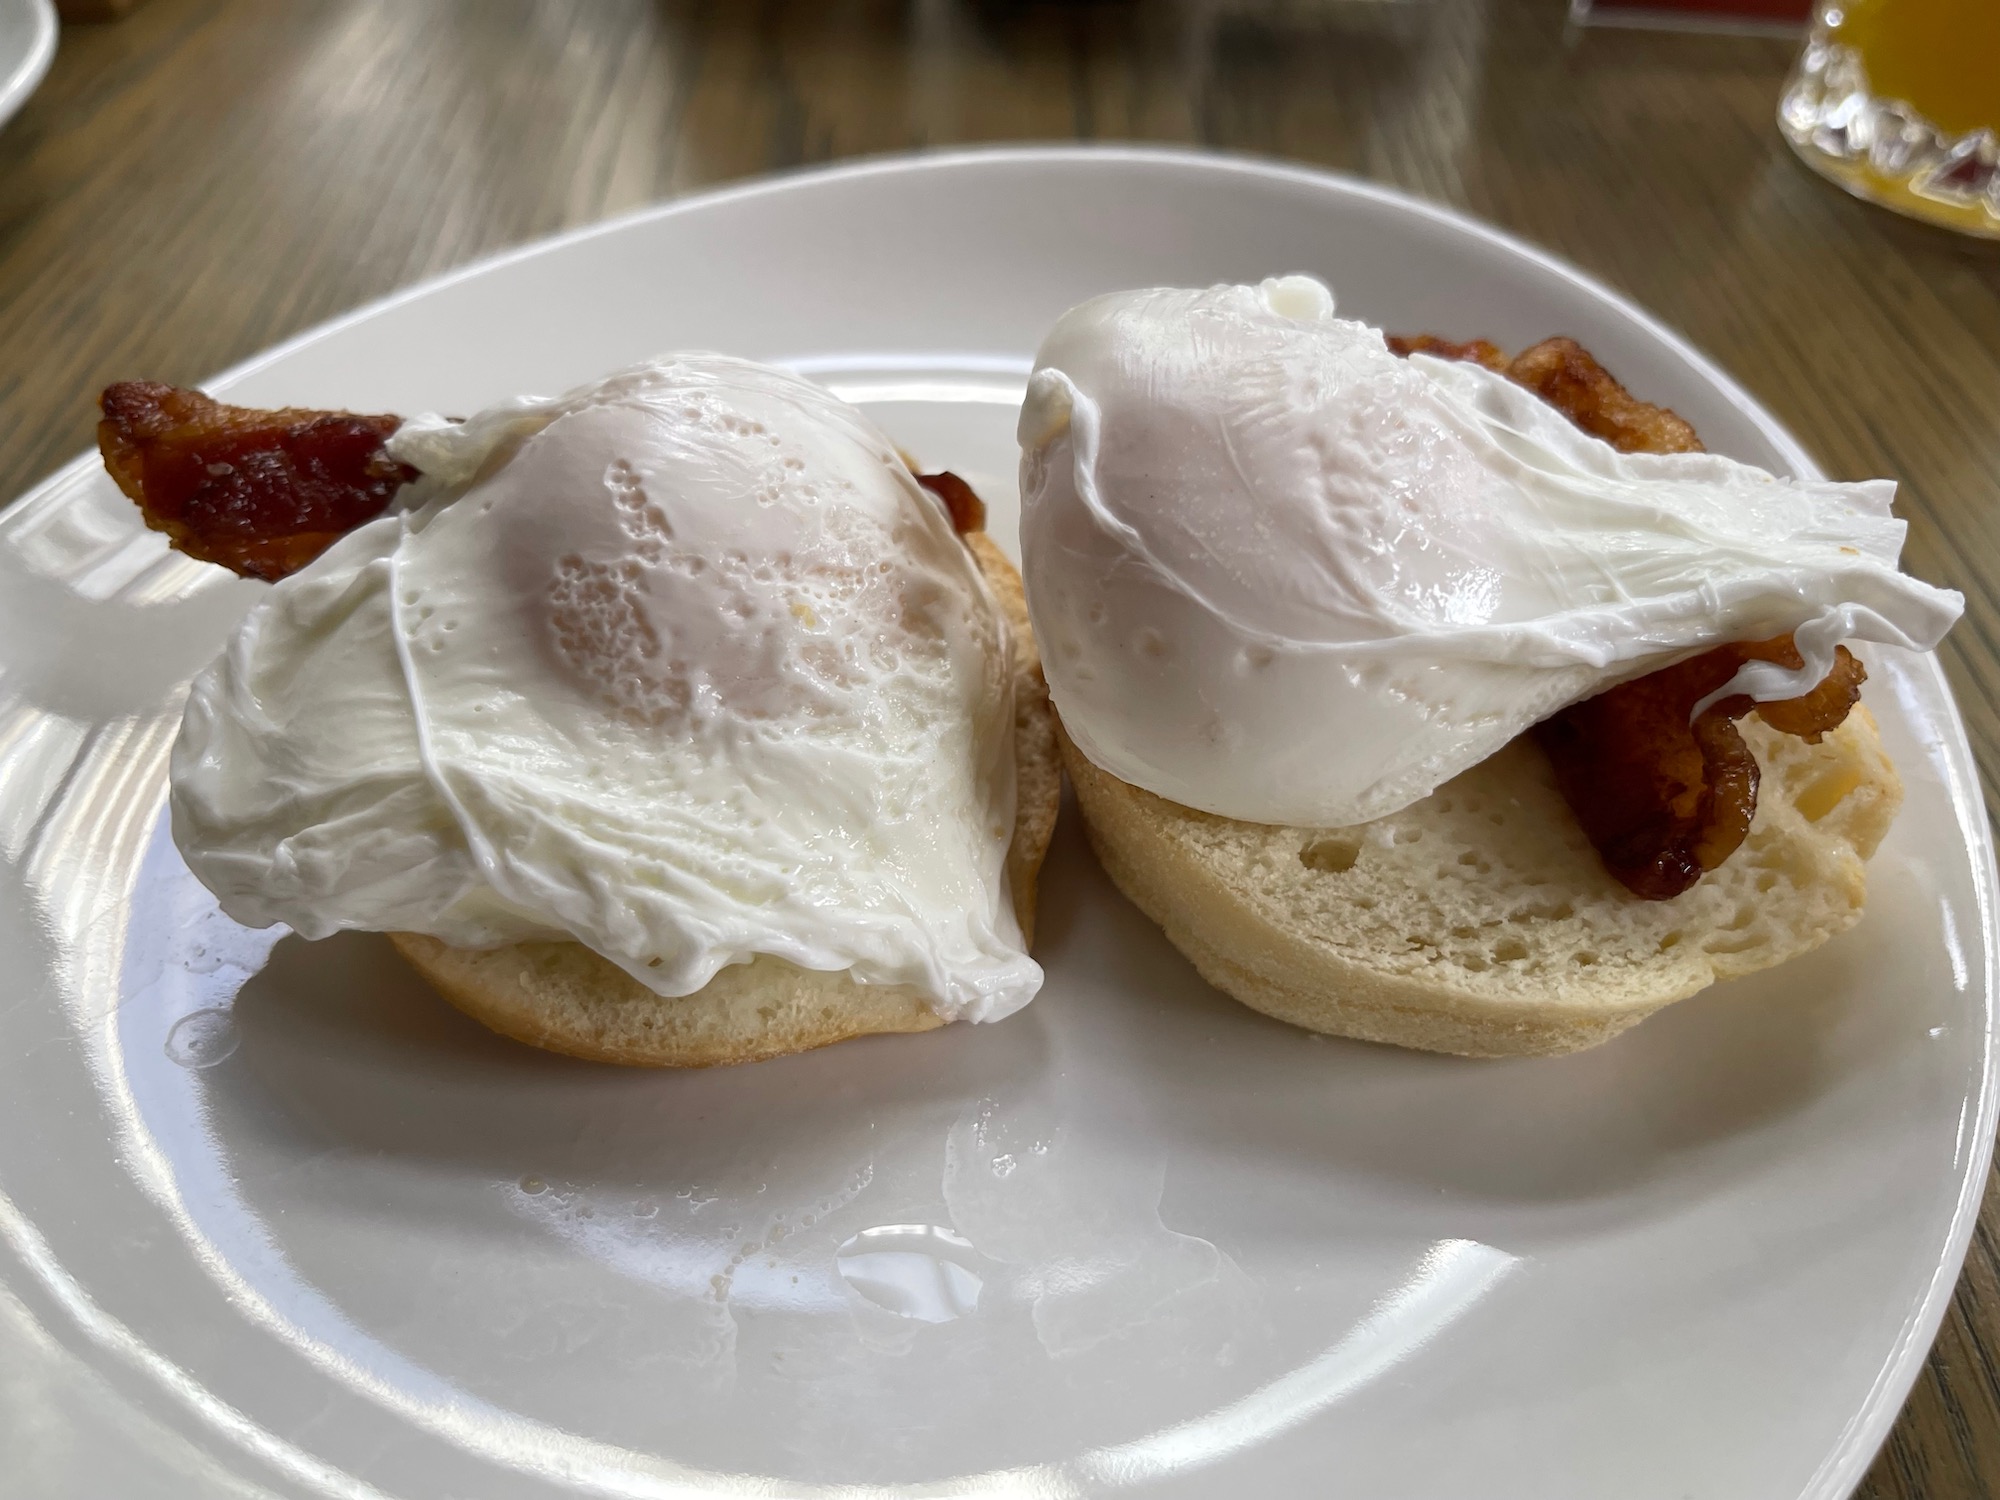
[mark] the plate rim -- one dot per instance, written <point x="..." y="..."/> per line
<point x="1869" y="1426"/>
<point x="17" y="86"/>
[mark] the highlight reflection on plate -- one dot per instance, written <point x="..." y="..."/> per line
<point x="302" y="1218"/>
<point x="916" y="1271"/>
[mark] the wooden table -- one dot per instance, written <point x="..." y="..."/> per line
<point x="208" y="176"/>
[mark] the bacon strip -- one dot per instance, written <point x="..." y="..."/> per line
<point x="260" y="492"/>
<point x="1564" y="374"/>
<point x="265" y="492"/>
<point x="961" y="501"/>
<point x="1472" y="351"/>
<point x="1665" y="797"/>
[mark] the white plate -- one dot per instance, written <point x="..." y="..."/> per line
<point x="27" y="47"/>
<point x="278" y="1214"/>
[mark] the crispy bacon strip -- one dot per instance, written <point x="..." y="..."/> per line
<point x="1666" y="797"/>
<point x="1472" y="351"/>
<point x="260" y="492"/>
<point x="265" y="492"/>
<point x="1663" y="799"/>
<point x="961" y="501"/>
<point x="1563" y="373"/>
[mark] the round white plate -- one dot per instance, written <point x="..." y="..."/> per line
<point x="27" y="47"/>
<point x="275" y="1220"/>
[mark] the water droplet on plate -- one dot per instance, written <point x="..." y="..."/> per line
<point x="1003" y="1166"/>
<point x="917" y="1271"/>
<point x="202" y="1038"/>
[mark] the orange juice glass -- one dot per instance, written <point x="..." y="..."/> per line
<point x="1899" y="101"/>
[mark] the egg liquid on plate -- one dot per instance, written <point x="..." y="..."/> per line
<point x="683" y="665"/>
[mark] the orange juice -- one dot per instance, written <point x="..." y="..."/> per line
<point x="1899" y="101"/>
<point x="1940" y="57"/>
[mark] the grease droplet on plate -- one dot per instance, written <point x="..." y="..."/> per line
<point x="202" y="1038"/>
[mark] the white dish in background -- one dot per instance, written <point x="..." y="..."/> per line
<point x="277" y="1218"/>
<point x="27" y="47"/>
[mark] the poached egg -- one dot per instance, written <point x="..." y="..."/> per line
<point x="683" y="665"/>
<point x="1280" y="574"/>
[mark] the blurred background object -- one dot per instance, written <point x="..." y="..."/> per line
<point x="1898" y="101"/>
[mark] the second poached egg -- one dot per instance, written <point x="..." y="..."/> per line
<point x="1280" y="574"/>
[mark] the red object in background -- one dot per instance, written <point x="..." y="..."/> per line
<point x="1694" y="12"/>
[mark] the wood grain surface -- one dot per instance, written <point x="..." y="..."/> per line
<point x="205" y="177"/>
